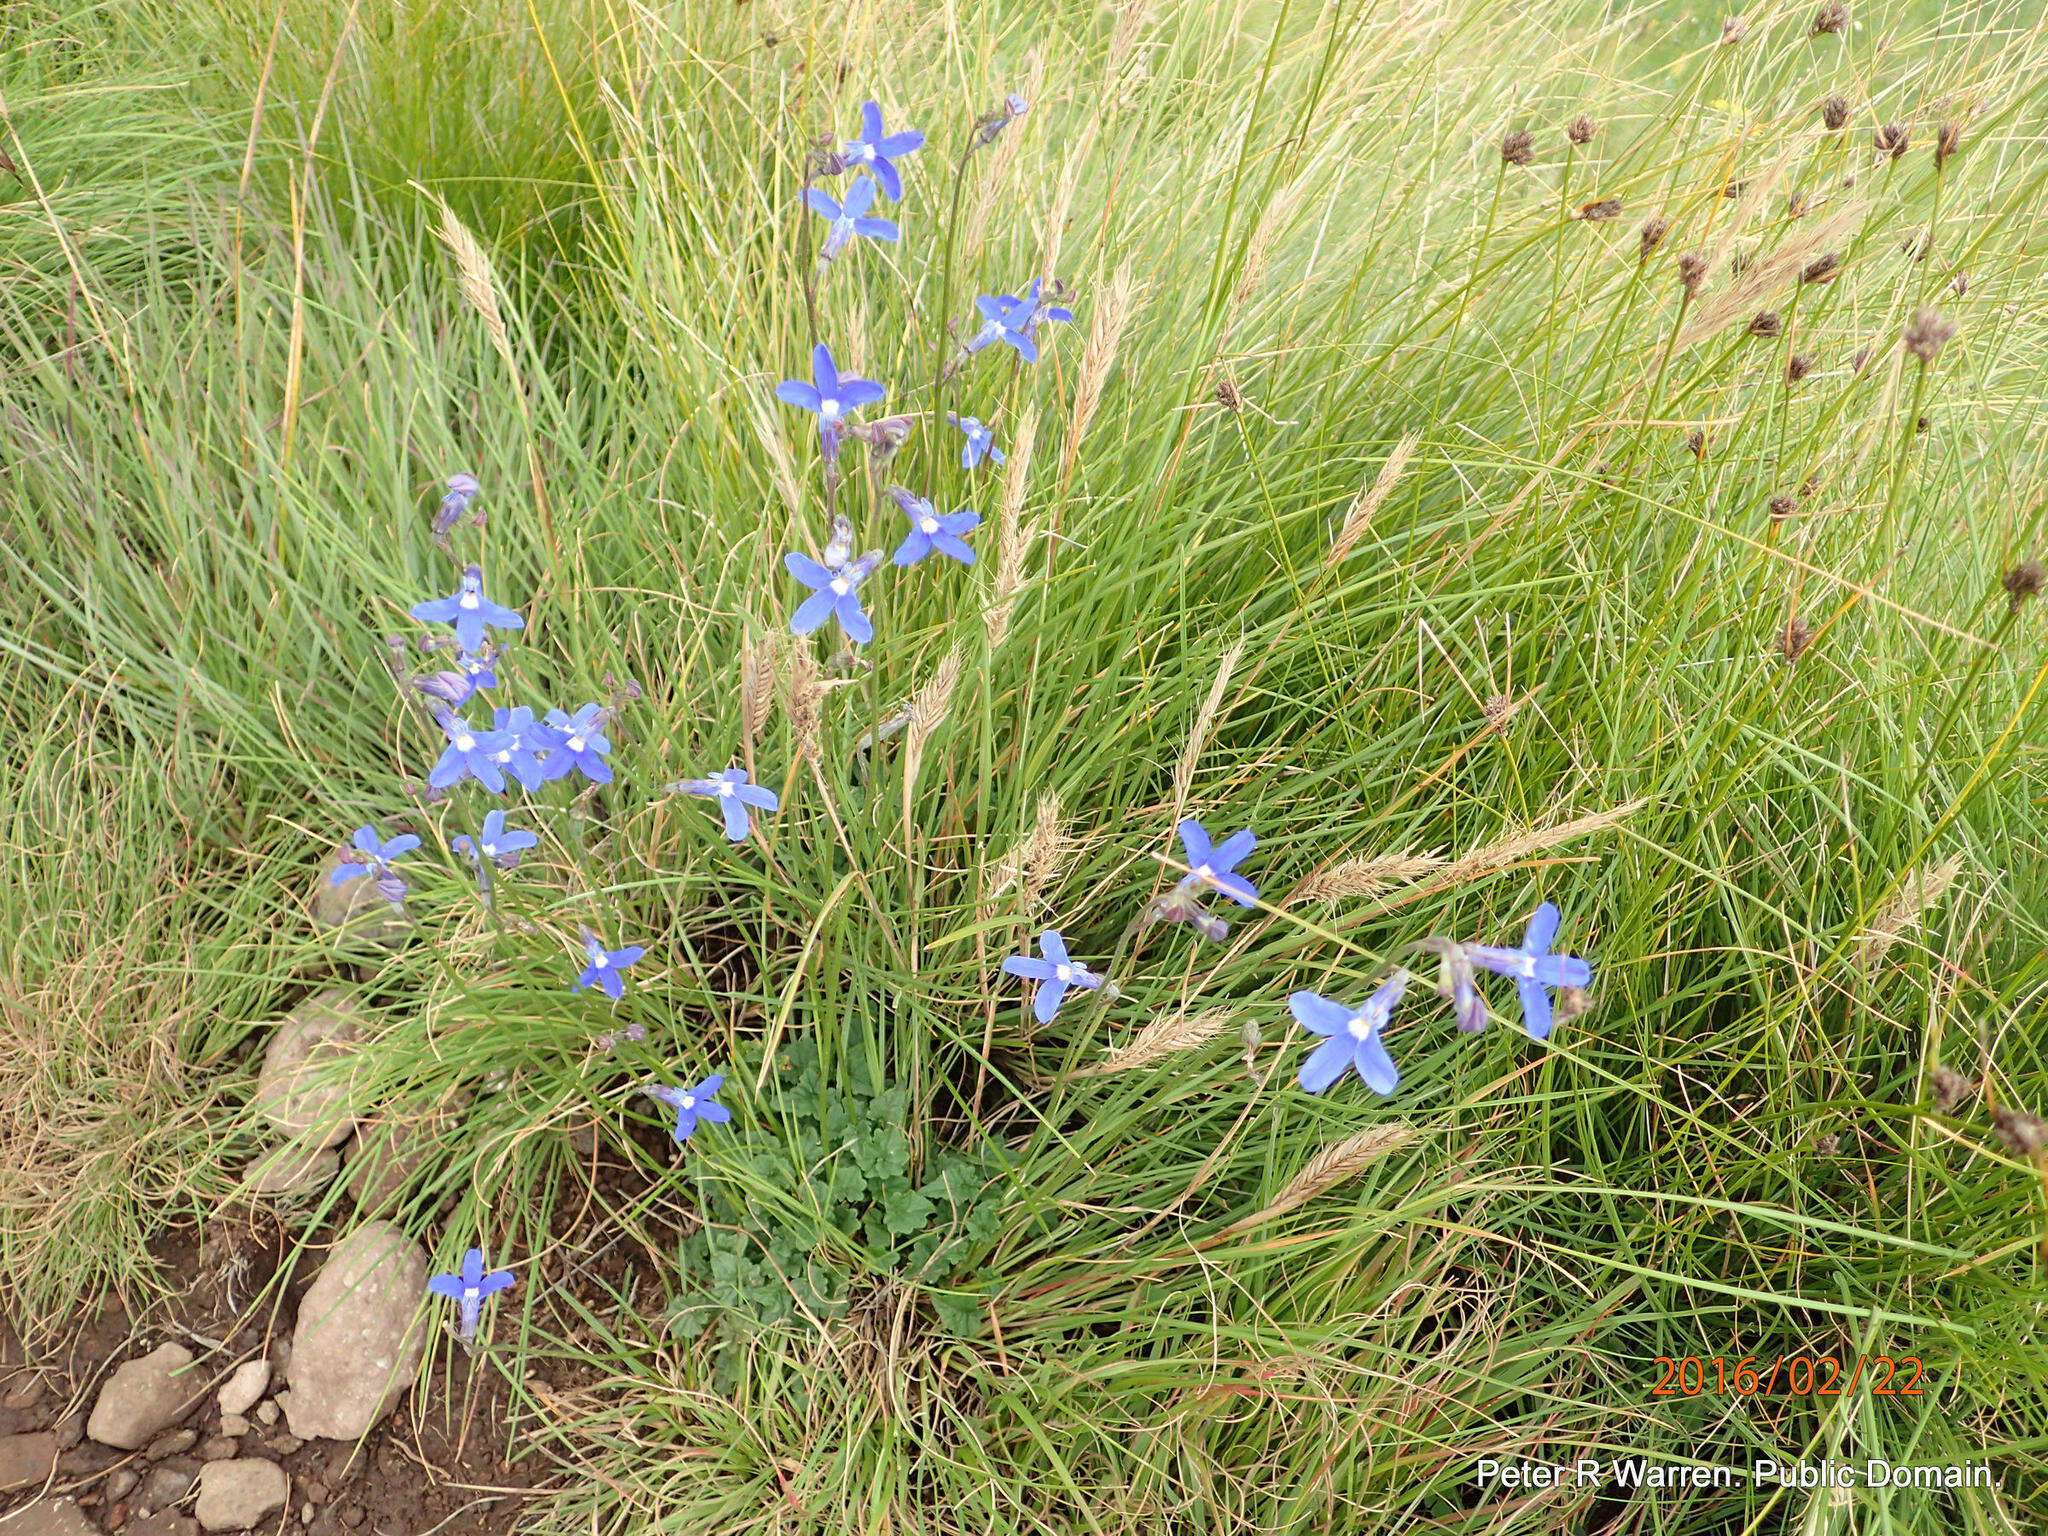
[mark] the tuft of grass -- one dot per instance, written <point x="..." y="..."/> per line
<point x="1358" y="506"/>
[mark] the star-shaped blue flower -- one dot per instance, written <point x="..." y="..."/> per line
<point x="878" y="152"/>
<point x="1054" y="974"/>
<point x="931" y="529"/>
<point x="496" y="844"/>
<point x="524" y="740"/>
<point x="470" y="753"/>
<point x="1354" y="1038"/>
<point x="605" y="965"/>
<point x="692" y="1105"/>
<point x="469" y="1288"/>
<point x="462" y="491"/>
<point x="581" y="747"/>
<point x="1212" y="867"/>
<point x="734" y="794"/>
<point x="1534" y="969"/>
<point x="849" y="218"/>
<point x="830" y="397"/>
<point x="980" y="444"/>
<point x="375" y="857"/>
<point x="835" y="594"/>
<point x="469" y="611"/>
<point x="457" y="685"/>
<point x="1011" y="320"/>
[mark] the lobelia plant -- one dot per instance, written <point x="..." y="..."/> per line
<point x="375" y="856"/>
<point x="735" y="796"/>
<point x="468" y="1287"/>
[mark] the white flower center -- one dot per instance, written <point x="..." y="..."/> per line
<point x="600" y="959"/>
<point x="929" y="524"/>
<point x="727" y="788"/>
<point x="1525" y="965"/>
<point x="689" y="1101"/>
<point x="575" y="743"/>
<point x="465" y="743"/>
<point x="1360" y="1027"/>
<point x="470" y="600"/>
<point x="829" y="408"/>
<point x="1064" y="972"/>
<point x="841" y="586"/>
<point x="503" y="757"/>
<point x="1204" y="872"/>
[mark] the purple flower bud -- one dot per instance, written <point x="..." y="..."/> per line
<point x="462" y="489"/>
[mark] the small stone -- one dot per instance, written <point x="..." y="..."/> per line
<point x="26" y="1461"/>
<point x="305" y="1514"/>
<point x="50" y="1517"/>
<point x="360" y="1334"/>
<point x="176" y="1443"/>
<point x="145" y="1396"/>
<point x="218" y="1448"/>
<point x="122" y="1483"/>
<point x="25" y="1393"/>
<point x="240" y="1392"/>
<point x="353" y="910"/>
<point x="167" y="1485"/>
<point x="314" y="1489"/>
<point x="298" y="1089"/>
<point x="352" y="1515"/>
<point x="283" y="1445"/>
<point x="70" y="1430"/>
<point x="293" y="1169"/>
<point x="266" y="1413"/>
<point x="235" y="1495"/>
<point x="116" y="1518"/>
<point x="233" y="1425"/>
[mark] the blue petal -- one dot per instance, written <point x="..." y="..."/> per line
<point x="760" y="797"/>
<point x="1563" y="971"/>
<point x="498" y="1280"/>
<point x="1237" y="888"/>
<point x="717" y="1114"/>
<point x="992" y="307"/>
<point x="1542" y="929"/>
<point x="629" y="955"/>
<point x="473" y="1268"/>
<point x="735" y="819"/>
<point x="875" y="229"/>
<point x="912" y="549"/>
<point x="446" y="1285"/>
<point x="1026" y="347"/>
<point x="1535" y="1008"/>
<point x="1315" y="1012"/>
<point x="859" y="198"/>
<point x="853" y="620"/>
<point x="902" y="143"/>
<point x="437" y="611"/>
<point x="405" y="842"/>
<point x="1326" y="1063"/>
<point x="1054" y="946"/>
<point x="807" y="570"/>
<point x="821" y="204"/>
<point x="885" y="173"/>
<point x="870" y="122"/>
<point x="811" y="612"/>
<point x="1028" y="968"/>
<point x="344" y="873"/>
<point x="613" y="983"/>
<point x="1232" y="850"/>
<point x="796" y="392"/>
<point x="1047" y="1003"/>
<point x="951" y="545"/>
<point x="960" y="522"/>
<point x="854" y="392"/>
<point x="1195" y="840"/>
<point x="1375" y="1066"/>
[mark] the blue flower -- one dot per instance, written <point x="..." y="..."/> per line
<point x="582" y="746"/>
<point x="835" y="593"/>
<point x="980" y="444"/>
<point x="469" y="753"/>
<point x="1054" y="974"/>
<point x="1354" y="1037"/>
<point x="462" y="490"/>
<point x="848" y="218"/>
<point x="734" y="794"/>
<point x="1212" y="867"/>
<point x="605" y="965"/>
<point x="1011" y="320"/>
<point x="524" y="739"/>
<point x="692" y="1104"/>
<point x="879" y="153"/>
<point x="1036" y="311"/>
<point x="994" y="121"/>
<point x="469" y="611"/>
<point x="829" y="396"/>
<point x="472" y="671"/>
<point x="501" y="847"/>
<point x="469" y="1288"/>
<point x="1534" y="969"/>
<point x="930" y="530"/>
<point x="375" y="857"/>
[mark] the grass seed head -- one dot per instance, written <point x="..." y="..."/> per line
<point x="2022" y="1134"/>
<point x="1834" y="113"/>
<point x="1600" y="210"/>
<point x="1766" y="322"/>
<point x="1831" y="17"/>
<point x="2024" y="582"/>
<point x="1733" y="29"/>
<point x="1927" y="333"/>
<point x="1654" y="231"/>
<point x="1824" y="268"/>
<point x="1950" y="1089"/>
<point x="1797" y="367"/>
<point x="1782" y="507"/>
<point x="1892" y="139"/>
<point x="1581" y="129"/>
<point x="1947" y="139"/>
<point x="1692" y="270"/>
<point x="1696" y="443"/>
<point x="1518" y="148"/>
<point x="1793" y="640"/>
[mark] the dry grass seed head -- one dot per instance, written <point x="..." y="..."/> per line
<point x="1793" y="640"/>
<point x="1205" y="720"/>
<point x="1892" y="139"/>
<point x="1167" y="1035"/>
<point x="1336" y="1164"/>
<point x="1599" y="210"/>
<point x="1367" y="877"/>
<point x="1654" y="231"/>
<point x="1834" y="113"/>
<point x="1581" y="129"/>
<point x="1733" y="29"/>
<point x="2024" y="582"/>
<point x="1831" y="17"/>
<point x="1360" y="517"/>
<point x="1927" y="333"/>
<point x="1917" y="895"/>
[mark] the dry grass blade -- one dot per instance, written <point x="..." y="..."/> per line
<point x="803" y="698"/>
<point x="1769" y="273"/>
<point x="1918" y="894"/>
<point x="1334" y="1165"/>
<point x="928" y="709"/>
<point x="1205" y="720"/>
<point x="1012" y="539"/>
<point x="1039" y="858"/>
<point x="1366" y="877"/>
<point x="1360" y="517"/>
<point x="1166" y="1035"/>
<point x="479" y="282"/>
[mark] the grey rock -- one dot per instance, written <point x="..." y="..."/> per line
<point x="394" y="1147"/>
<point x="235" y="1495"/>
<point x="266" y="1413"/>
<point x="360" y="1335"/>
<point x="70" y="1430"/>
<point x="26" y="1461"/>
<point x="25" y="1392"/>
<point x="302" y="1089"/>
<point x="233" y="1425"/>
<point x="283" y="1445"/>
<point x="165" y="1524"/>
<point x="176" y="1443"/>
<point x="167" y="1485"/>
<point x="296" y="1168"/>
<point x="353" y="911"/>
<point x="50" y="1517"/>
<point x="241" y="1391"/>
<point x="122" y="1483"/>
<point x="145" y="1396"/>
<point x="218" y="1448"/>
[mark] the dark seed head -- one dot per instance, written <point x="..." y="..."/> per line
<point x="1809" y="485"/>
<point x="1793" y="640"/>
<point x="1229" y="397"/>
<point x="2024" y="1135"/>
<point x="1600" y="209"/>
<point x="1959" y="284"/>
<point x="1739" y="260"/>
<point x="1861" y="359"/>
<point x="1797" y="367"/>
<point x="1766" y="323"/>
<point x="1696" y="443"/>
<point x="1832" y="17"/>
<point x="1947" y="139"/>
<point x="1927" y="333"/>
<point x="1518" y="148"/>
<point x="2024" y="582"/>
<point x="1824" y="268"/>
<point x="1692" y="270"/>
<point x="1796" y="203"/>
<point x="1834" y="112"/>
<point x="1581" y="129"/>
<point x="1732" y="188"/>
<point x="1733" y="28"/>
<point x="1950" y="1089"/>
<point x="1892" y="139"/>
<point x="1654" y="231"/>
<point x="1782" y="507"/>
